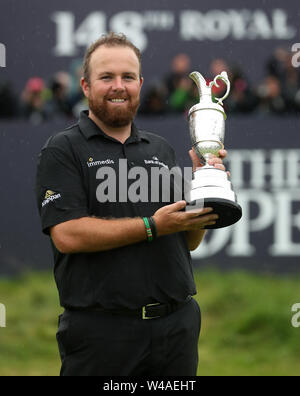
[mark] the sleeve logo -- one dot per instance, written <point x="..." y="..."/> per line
<point x="49" y="193"/>
<point x="49" y="197"/>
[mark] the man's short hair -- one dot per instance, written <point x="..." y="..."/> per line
<point x="109" y="40"/>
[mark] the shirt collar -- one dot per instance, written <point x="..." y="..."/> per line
<point x="90" y="129"/>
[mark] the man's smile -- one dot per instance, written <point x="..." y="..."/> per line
<point x="117" y="101"/>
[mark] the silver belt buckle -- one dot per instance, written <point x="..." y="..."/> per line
<point x="144" y="315"/>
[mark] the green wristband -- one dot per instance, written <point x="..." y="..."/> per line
<point x="148" y="229"/>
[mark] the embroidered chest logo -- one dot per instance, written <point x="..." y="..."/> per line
<point x="155" y="161"/>
<point x="91" y="162"/>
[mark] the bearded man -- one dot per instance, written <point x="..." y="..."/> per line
<point x="123" y="269"/>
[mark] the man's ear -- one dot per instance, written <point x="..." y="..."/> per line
<point x="85" y="87"/>
<point x="141" y="81"/>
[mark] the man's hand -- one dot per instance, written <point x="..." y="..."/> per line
<point x="170" y="219"/>
<point x="215" y="161"/>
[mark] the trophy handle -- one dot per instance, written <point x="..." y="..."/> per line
<point x="224" y="77"/>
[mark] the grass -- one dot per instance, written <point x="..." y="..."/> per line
<point x="246" y="325"/>
<point x="27" y="343"/>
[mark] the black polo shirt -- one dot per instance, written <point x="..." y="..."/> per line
<point x="70" y="185"/>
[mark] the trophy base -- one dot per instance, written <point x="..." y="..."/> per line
<point x="229" y="212"/>
<point x="211" y="188"/>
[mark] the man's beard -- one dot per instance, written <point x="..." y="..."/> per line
<point x="115" y="116"/>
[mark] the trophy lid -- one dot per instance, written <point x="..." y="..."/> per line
<point x="205" y="92"/>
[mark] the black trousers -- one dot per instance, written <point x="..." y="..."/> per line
<point x="102" y="344"/>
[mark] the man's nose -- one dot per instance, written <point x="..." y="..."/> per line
<point x="118" y="84"/>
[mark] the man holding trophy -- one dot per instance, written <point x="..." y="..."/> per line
<point x="123" y="269"/>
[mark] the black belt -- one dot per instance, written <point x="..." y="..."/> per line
<point x="149" y="311"/>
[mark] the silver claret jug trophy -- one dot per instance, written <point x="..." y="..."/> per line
<point x="210" y="186"/>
